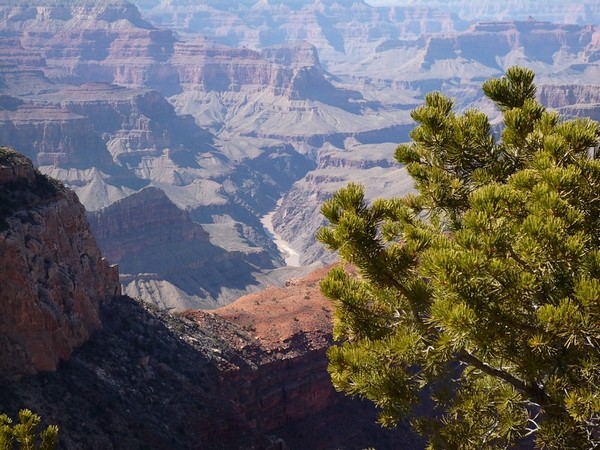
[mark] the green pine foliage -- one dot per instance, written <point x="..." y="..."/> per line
<point x="473" y="310"/>
<point x="23" y="434"/>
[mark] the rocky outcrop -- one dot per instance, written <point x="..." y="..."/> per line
<point x="249" y="376"/>
<point x="53" y="275"/>
<point x="287" y="390"/>
<point x="50" y="135"/>
<point x="134" y="122"/>
<point x="159" y="248"/>
<point x="560" y="96"/>
<point x="142" y="220"/>
<point x="291" y="376"/>
<point x="77" y="126"/>
<point x="146" y="379"/>
<point x="291" y="71"/>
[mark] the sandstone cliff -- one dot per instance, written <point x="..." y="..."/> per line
<point x="50" y="135"/>
<point x="53" y="275"/>
<point x="292" y="328"/>
<point x="249" y="376"/>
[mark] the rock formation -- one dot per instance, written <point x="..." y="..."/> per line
<point x="53" y="275"/>
<point x="229" y="109"/>
<point x="291" y="376"/>
<point x="565" y="11"/>
<point x="219" y="380"/>
<point x="51" y="135"/>
<point x="157" y="245"/>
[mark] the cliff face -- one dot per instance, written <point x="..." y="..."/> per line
<point x="156" y="244"/>
<point x="570" y="95"/>
<point x="50" y="135"/>
<point x="74" y="39"/>
<point x="53" y="275"/>
<point x="291" y="377"/>
<point x="249" y="376"/>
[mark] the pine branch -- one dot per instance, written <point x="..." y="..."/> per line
<point x="403" y="291"/>
<point x="533" y="391"/>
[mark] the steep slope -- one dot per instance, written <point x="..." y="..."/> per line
<point x="53" y="275"/>
<point x="166" y="258"/>
<point x="104" y="40"/>
<point x="146" y="378"/>
<point x="249" y="98"/>
<point x="50" y="134"/>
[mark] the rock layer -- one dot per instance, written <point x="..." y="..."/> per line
<point x="156" y="244"/>
<point x="243" y="377"/>
<point x="53" y="275"/>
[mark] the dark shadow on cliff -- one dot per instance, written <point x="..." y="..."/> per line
<point x="152" y="239"/>
<point x="349" y="424"/>
<point x="151" y="380"/>
<point x="138" y="383"/>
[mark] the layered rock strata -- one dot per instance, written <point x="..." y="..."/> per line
<point x="53" y="275"/>
<point x="157" y="245"/>
<point x="292" y="329"/>
<point x="249" y="376"/>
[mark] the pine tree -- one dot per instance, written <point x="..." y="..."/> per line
<point x="476" y="299"/>
<point x="23" y="433"/>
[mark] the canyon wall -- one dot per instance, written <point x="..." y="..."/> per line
<point x="250" y="375"/>
<point x="158" y="246"/>
<point x="236" y="109"/>
<point x="53" y="275"/>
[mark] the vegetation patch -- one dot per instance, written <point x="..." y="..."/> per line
<point x="473" y="313"/>
<point x="22" y="192"/>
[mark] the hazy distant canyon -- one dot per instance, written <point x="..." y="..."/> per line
<point x="181" y="124"/>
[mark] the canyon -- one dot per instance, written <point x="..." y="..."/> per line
<point x="202" y="138"/>
<point x="255" y="109"/>
<point x="114" y="372"/>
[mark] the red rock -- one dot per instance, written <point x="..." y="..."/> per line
<point x="292" y="329"/>
<point x="53" y="275"/>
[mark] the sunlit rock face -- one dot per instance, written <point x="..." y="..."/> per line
<point x="237" y="109"/>
<point x="53" y="275"/>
